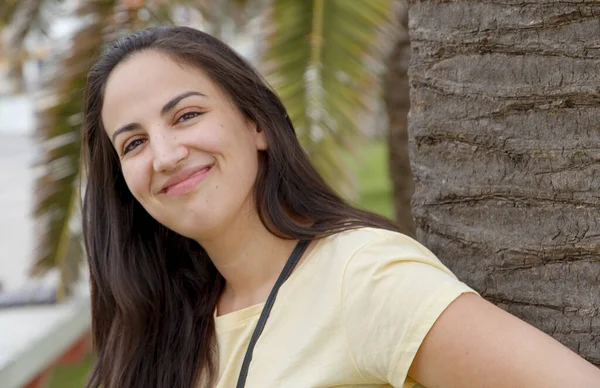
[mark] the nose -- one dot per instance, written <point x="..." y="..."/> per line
<point x="168" y="153"/>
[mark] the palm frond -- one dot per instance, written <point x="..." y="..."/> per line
<point x="20" y="17"/>
<point x="59" y="131"/>
<point x="7" y="9"/>
<point x="322" y="59"/>
<point x="226" y="13"/>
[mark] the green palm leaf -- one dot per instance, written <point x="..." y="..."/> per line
<point x="320" y="58"/>
<point x="59" y="125"/>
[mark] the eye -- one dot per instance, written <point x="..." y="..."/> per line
<point x="187" y="116"/>
<point x="132" y="145"/>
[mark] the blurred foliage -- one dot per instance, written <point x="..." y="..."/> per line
<point x="23" y="16"/>
<point x="321" y="56"/>
<point x="59" y="123"/>
<point x="7" y="10"/>
<point x="71" y="376"/>
<point x="370" y="164"/>
<point x="322" y="59"/>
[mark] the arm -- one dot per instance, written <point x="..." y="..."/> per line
<point x="476" y="344"/>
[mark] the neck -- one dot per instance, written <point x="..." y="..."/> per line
<point x="250" y="258"/>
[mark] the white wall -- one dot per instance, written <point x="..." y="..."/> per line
<point x="17" y="155"/>
<point x="17" y="115"/>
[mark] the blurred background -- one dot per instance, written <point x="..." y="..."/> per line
<point x="326" y="58"/>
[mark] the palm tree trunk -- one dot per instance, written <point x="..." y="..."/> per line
<point x="504" y="145"/>
<point x="396" y="96"/>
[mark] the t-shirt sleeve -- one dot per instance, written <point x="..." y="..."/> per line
<point x="393" y="291"/>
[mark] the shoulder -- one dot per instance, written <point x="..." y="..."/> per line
<point x="393" y="290"/>
<point x="352" y="241"/>
<point x="365" y="248"/>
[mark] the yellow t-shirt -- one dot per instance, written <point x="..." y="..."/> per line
<point x="354" y="313"/>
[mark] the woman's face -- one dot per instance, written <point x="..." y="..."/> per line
<point x="187" y="154"/>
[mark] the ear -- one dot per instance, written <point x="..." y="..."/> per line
<point x="260" y="140"/>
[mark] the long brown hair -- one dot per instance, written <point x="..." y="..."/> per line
<point x="154" y="291"/>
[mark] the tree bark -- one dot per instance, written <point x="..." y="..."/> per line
<point x="397" y="100"/>
<point x="506" y="155"/>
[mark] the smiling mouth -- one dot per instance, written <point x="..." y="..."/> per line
<point x="187" y="184"/>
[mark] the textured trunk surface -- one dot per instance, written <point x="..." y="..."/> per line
<point x="505" y="148"/>
<point x="397" y="100"/>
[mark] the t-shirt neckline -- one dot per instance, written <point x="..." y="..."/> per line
<point x="238" y="317"/>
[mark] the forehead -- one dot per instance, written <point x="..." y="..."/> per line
<point x="145" y="82"/>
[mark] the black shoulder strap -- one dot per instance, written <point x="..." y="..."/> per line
<point x="264" y="315"/>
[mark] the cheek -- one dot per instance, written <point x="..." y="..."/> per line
<point x="136" y="181"/>
<point x="209" y="138"/>
<point x="245" y="171"/>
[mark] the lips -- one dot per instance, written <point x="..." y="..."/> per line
<point x="178" y="181"/>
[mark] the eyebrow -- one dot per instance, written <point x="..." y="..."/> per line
<point x="165" y="109"/>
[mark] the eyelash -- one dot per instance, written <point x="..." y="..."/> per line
<point x="196" y="114"/>
<point x="127" y="148"/>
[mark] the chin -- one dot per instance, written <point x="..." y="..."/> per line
<point x="192" y="227"/>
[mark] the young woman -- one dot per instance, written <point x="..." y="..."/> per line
<point x="201" y="208"/>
